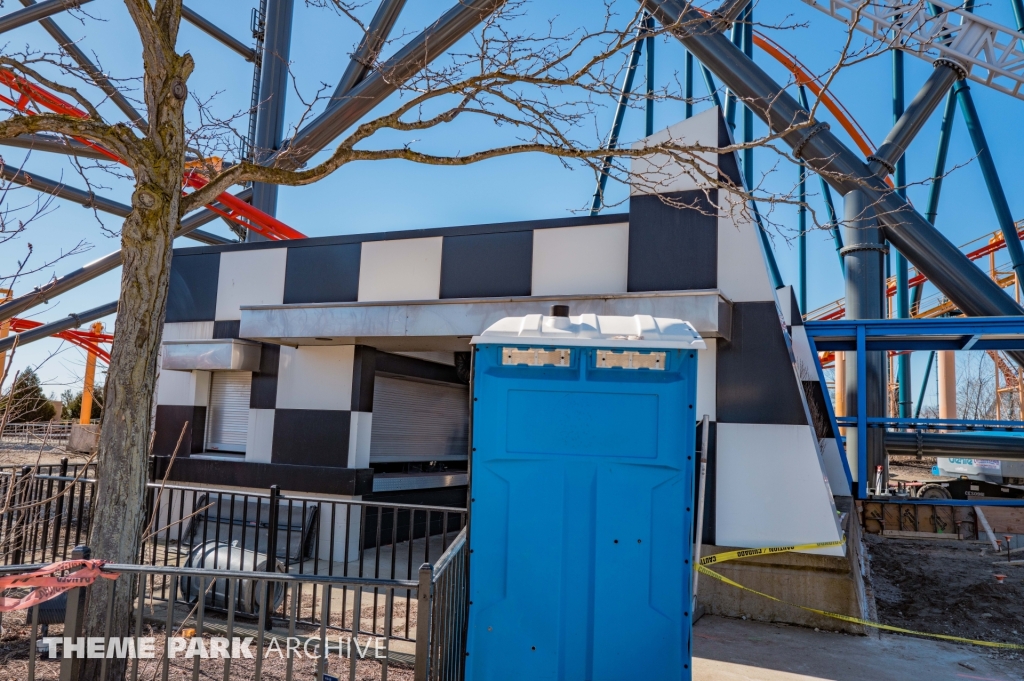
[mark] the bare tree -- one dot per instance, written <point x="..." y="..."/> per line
<point x="545" y="93"/>
<point x="975" y="386"/>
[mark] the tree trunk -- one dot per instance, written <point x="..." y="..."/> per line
<point x="146" y="238"/>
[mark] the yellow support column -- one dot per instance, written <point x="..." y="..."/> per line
<point x="947" y="384"/>
<point x="90" y="380"/>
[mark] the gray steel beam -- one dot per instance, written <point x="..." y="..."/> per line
<point x="216" y="32"/>
<point x="89" y="199"/>
<point x="368" y="49"/>
<point x="271" y="108"/>
<point x="864" y="257"/>
<point x="55" y="144"/>
<point x="72" y="321"/>
<point x="378" y="85"/>
<point x="90" y="271"/>
<point x="36" y="12"/>
<point x="942" y="77"/>
<point x="957" y="445"/>
<point x="102" y="82"/>
<point x="933" y="254"/>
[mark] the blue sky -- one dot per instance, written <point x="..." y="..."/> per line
<point x="396" y="195"/>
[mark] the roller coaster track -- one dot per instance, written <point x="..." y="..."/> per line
<point x="87" y="340"/>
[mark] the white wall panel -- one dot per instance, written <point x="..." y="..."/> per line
<point x="250" y="278"/>
<point x="707" y="379"/>
<point x="569" y="260"/>
<point x="315" y="377"/>
<point x="834" y="468"/>
<point x="403" y="269"/>
<point x="771" y="488"/>
<point x="742" y="269"/>
<point x="659" y="173"/>
<point x="359" y="439"/>
<point x="260" y="436"/>
<point x="188" y="331"/>
<point x="183" y="388"/>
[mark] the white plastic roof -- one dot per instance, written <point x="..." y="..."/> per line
<point x="590" y="330"/>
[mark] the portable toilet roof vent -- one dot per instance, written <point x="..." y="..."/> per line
<point x="591" y="330"/>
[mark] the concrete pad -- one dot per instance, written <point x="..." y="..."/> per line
<point x="737" y="650"/>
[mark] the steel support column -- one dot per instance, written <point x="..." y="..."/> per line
<point x="988" y="169"/>
<point x="271" y="110"/>
<point x="865" y="296"/>
<point x="649" y="62"/>
<point x="368" y="49"/>
<point x="688" y="84"/>
<point x="898" y="138"/>
<point x="934" y="255"/>
<point x="924" y="383"/>
<point x="620" y="112"/>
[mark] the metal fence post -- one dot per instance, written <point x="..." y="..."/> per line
<point x="424" y="610"/>
<point x="21" y="496"/>
<point x="73" y="620"/>
<point x="272" y="521"/>
<point x="58" y="514"/>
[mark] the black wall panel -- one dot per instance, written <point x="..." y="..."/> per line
<point x="311" y="437"/>
<point x="756" y="383"/>
<point x="226" y="329"/>
<point x="263" y="394"/>
<point x="673" y="248"/>
<point x="192" y="296"/>
<point x="364" y="366"/>
<point x="400" y="365"/>
<point x="728" y="167"/>
<point x="322" y="274"/>
<point x="483" y="265"/>
<point x="170" y="419"/>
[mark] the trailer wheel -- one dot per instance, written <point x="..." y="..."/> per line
<point x="933" y="491"/>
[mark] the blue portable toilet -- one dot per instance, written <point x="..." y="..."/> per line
<point x="581" y="487"/>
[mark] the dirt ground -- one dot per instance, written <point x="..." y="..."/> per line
<point x="14" y="454"/>
<point x="947" y="587"/>
<point x="912" y="469"/>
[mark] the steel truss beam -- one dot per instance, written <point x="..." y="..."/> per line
<point x="72" y="321"/>
<point x="216" y="32"/>
<point x="36" y="12"/>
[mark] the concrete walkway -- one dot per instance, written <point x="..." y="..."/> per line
<point x="737" y="650"/>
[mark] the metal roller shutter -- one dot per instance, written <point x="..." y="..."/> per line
<point x="418" y="421"/>
<point x="228" y="413"/>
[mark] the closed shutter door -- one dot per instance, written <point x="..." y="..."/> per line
<point x="228" y="413"/>
<point x="418" y="421"/>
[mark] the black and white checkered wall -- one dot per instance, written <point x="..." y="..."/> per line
<point x="771" y="480"/>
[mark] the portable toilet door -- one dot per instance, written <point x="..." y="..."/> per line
<point x="580" y="498"/>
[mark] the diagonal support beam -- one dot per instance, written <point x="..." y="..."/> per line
<point x="72" y="321"/>
<point x="217" y="33"/>
<point x="381" y="83"/>
<point x="54" y="144"/>
<point x="89" y="199"/>
<point x="932" y="253"/>
<point x="36" y="12"/>
<point x="102" y="82"/>
<point x="369" y="48"/>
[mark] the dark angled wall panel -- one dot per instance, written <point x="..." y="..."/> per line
<point x="485" y="265"/>
<point x="413" y="367"/>
<point x="226" y="329"/>
<point x="756" y="383"/>
<point x="311" y="437"/>
<point x="263" y="394"/>
<point x="192" y="296"/>
<point x="170" y="419"/>
<point x="364" y="367"/>
<point x="322" y="274"/>
<point x="672" y="248"/>
<point x="728" y="168"/>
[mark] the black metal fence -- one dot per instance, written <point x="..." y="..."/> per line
<point x="193" y="632"/>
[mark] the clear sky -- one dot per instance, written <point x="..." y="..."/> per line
<point x="397" y="195"/>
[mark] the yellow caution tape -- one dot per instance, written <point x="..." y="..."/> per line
<point x="749" y="553"/>
<point x="746" y="553"/>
